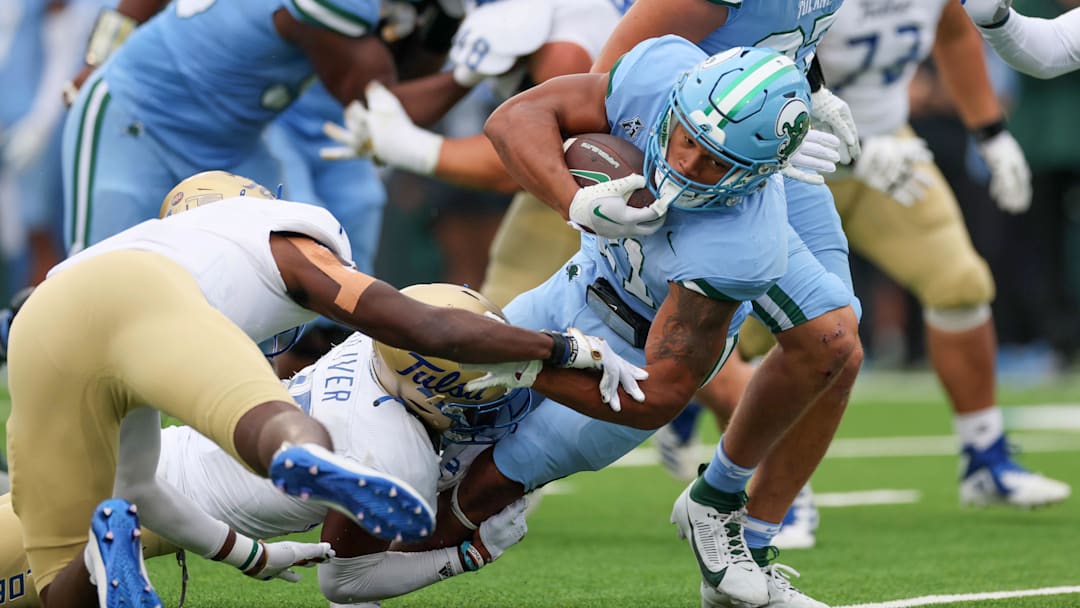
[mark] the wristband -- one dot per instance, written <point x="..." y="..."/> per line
<point x="561" y="349"/>
<point x="815" y="76"/>
<point x="983" y="133"/>
<point x="471" y="556"/>
<point x="110" y="31"/>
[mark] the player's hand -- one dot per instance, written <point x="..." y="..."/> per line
<point x="591" y="352"/>
<point x="502" y="530"/>
<point x="818" y="153"/>
<point x="513" y="374"/>
<point x="1010" y="177"/>
<point x="892" y="165"/>
<point x="284" y="555"/>
<point x="831" y="114"/>
<point x="987" y="13"/>
<point x="354" y="136"/>
<point x="603" y="210"/>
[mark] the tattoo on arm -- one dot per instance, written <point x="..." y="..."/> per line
<point x="693" y="333"/>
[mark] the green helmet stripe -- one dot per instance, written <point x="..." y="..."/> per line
<point x="738" y="94"/>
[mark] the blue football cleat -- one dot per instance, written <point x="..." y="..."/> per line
<point x="991" y="476"/>
<point x="381" y="504"/>
<point x="116" y="560"/>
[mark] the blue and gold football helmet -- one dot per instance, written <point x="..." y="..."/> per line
<point x="434" y="389"/>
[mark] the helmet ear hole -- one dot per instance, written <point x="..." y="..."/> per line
<point x="209" y="187"/>
<point x="433" y="389"/>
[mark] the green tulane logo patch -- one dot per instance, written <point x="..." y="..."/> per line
<point x="792" y="123"/>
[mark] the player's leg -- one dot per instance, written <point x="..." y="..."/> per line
<point x="533" y="242"/>
<point x="63" y="436"/>
<point x="926" y="248"/>
<point x="215" y="379"/>
<point x="115" y="174"/>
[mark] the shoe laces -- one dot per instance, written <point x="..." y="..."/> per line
<point x="724" y="536"/>
<point x="781" y="575"/>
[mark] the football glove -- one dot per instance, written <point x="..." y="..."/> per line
<point x="385" y="132"/>
<point x="573" y="350"/>
<point x="891" y="165"/>
<point x="831" y="114"/>
<point x="1010" y="177"/>
<point x="501" y="531"/>
<point x="988" y="13"/>
<point x="819" y="152"/>
<point x="602" y="209"/>
<point x="283" y="555"/>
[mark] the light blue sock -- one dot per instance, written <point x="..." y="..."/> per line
<point x="759" y="533"/>
<point x="725" y="475"/>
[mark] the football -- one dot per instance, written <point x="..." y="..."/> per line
<point x="594" y="158"/>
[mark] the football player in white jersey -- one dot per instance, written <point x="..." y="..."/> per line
<point x="899" y="213"/>
<point x="1043" y="48"/>
<point x="204" y="284"/>
<point x="392" y="410"/>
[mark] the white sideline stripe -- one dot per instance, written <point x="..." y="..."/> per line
<point x="866" y="497"/>
<point x="1049" y="416"/>
<point x="885" y="447"/>
<point x="929" y="600"/>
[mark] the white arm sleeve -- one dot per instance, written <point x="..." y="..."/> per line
<point x="162" y="507"/>
<point x="378" y="576"/>
<point x="1043" y="48"/>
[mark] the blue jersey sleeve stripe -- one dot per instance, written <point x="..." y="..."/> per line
<point x="331" y="16"/>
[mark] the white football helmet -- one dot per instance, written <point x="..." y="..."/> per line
<point x="434" y="389"/>
<point x="209" y="187"/>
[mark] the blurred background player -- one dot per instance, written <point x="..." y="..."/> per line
<point x="379" y="413"/>
<point x="900" y="214"/>
<point x="40" y="48"/>
<point x="1040" y="47"/>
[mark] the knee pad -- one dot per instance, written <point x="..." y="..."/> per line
<point x="957" y="320"/>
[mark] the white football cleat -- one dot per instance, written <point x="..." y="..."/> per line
<point x="782" y="594"/>
<point x="991" y="476"/>
<point x="799" y="528"/>
<point x="680" y="456"/>
<point x="731" y="577"/>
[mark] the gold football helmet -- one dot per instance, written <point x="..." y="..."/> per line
<point x="209" y="187"/>
<point x="434" y="389"/>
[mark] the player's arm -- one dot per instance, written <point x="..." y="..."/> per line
<point x="318" y="280"/>
<point x="691" y="19"/>
<point x="959" y="58"/>
<point x="1043" y="48"/>
<point x="181" y="521"/>
<point x="528" y="131"/>
<point x="111" y="29"/>
<point x="685" y="342"/>
<point x="365" y="569"/>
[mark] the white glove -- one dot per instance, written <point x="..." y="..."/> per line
<point x="385" y="132"/>
<point x="1010" y="177"/>
<point x="504" y="529"/>
<point x="583" y="352"/>
<point x="987" y="13"/>
<point x="283" y="555"/>
<point x="25" y="142"/>
<point x="602" y="209"/>
<point x="819" y="152"/>
<point x="831" y="114"/>
<point x="398" y="20"/>
<point x="890" y="164"/>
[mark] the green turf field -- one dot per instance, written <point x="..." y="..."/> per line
<point x="603" y="539"/>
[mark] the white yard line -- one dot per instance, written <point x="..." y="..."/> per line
<point x="866" y="497"/>
<point x="930" y="600"/>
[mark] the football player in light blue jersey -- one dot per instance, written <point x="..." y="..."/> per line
<point x="193" y="88"/>
<point x="820" y="350"/>
<point x="39" y="50"/>
<point x="672" y="296"/>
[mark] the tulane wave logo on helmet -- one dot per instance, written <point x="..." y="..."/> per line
<point x="793" y="122"/>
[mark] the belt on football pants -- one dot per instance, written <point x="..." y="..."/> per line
<point x="620" y="318"/>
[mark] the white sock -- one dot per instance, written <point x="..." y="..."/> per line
<point x="980" y="429"/>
